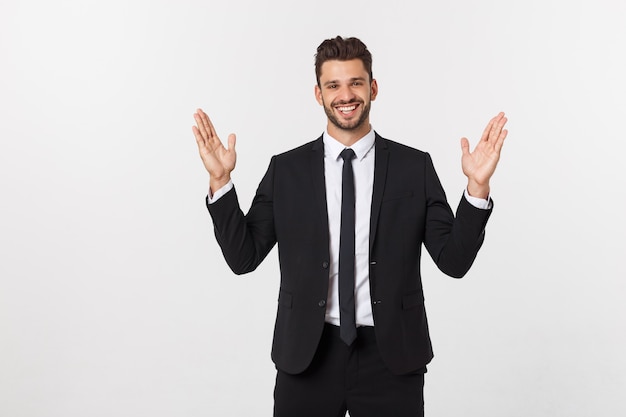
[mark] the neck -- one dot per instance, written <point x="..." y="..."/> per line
<point x="348" y="137"/>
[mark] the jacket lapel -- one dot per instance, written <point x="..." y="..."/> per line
<point x="380" y="177"/>
<point x="319" y="184"/>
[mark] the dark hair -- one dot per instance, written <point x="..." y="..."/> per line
<point x="342" y="49"/>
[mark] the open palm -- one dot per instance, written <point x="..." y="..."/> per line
<point x="218" y="160"/>
<point x="480" y="164"/>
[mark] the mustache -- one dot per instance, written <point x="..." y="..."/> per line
<point x="344" y="102"/>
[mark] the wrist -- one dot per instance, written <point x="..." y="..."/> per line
<point x="217" y="183"/>
<point x="478" y="190"/>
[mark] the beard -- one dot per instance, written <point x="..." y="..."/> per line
<point x="348" y="124"/>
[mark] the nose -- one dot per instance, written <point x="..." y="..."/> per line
<point x="345" y="95"/>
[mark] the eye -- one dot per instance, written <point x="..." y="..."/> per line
<point x="357" y="83"/>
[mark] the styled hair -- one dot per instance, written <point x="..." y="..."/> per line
<point x="342" y="49"/>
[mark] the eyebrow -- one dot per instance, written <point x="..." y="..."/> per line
<point x="351" y="80"/>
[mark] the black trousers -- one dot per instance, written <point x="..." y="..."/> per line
<point x="350" y="379"/>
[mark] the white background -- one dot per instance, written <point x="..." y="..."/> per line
<point x="114" y="297"/>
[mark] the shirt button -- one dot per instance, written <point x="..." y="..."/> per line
<point x="324" y="264"/>
<point x="322" y="303"/>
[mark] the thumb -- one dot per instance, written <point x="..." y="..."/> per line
<point x="232" y="140"/>
<point x="465" y="146"/>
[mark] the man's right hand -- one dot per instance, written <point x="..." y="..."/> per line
<point x="218" y="160"/>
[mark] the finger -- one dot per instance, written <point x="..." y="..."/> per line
<point x="212" y="132"/>
<point x="496" y="128"/>
<point x="207" y="125"/>
<point x="200" y="140"/>
<point x="465" y="146"/>
<point x="200" y="123"/>
<point x="487" y="131"/>
<point x="213" y="140"/>
<point x="503" y="122"/>
<point x="232" y="140"/>
<point x="500" y="141"/>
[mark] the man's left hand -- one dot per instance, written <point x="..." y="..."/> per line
<point x="480" y="164"/>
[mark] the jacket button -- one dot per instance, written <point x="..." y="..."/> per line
<point x="322" y="303"/>
<point x="325" y="265"/>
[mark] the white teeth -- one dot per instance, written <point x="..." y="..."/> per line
<point x="346" y="109"/>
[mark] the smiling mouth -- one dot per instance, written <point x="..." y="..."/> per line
<point x="346" y="109"/>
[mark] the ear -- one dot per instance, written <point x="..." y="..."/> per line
<point x="374" y="89"/>
<point x="318" y="95"/>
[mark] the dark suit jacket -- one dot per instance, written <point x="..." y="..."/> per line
<point x="409" y="208"/>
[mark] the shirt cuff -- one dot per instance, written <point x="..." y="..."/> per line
<point x="213" y="197"/>
<point x="480" y="203"/>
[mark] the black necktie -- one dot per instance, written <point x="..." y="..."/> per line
<point x="346" y="252"/>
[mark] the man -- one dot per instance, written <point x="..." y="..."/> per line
<point x="351" y="331"/>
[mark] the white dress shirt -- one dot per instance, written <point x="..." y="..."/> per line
<point x="363" y="167"/>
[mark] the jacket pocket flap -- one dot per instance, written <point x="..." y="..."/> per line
<point x="397" y="196"/>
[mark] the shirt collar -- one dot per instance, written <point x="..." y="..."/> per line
<point x="332" y="147"/>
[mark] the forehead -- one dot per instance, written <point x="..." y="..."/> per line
<point x="343" y="70"/>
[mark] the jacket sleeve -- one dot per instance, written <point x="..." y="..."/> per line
<point x="452" y="241"/>
<point x="245" y="240"/>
